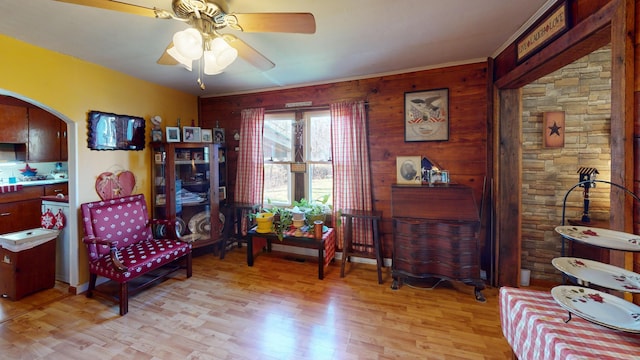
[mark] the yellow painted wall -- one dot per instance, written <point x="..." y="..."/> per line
<point x="70" y="88"/>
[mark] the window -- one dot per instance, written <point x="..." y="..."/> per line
<point x="318" y="155"/>
<point x="307" y="140"/>
<point x="278" y="154"/>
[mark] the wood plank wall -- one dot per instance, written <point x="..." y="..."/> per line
<point x="464" y="154"/>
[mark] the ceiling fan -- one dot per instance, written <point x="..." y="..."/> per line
<point x="203" y="39"/>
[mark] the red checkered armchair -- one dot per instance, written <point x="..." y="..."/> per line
<point x="120" y="241"/>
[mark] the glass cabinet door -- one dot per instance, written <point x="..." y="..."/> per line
<point x="186" y="190"/>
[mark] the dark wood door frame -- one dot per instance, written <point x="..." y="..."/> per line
<point x="613" y="23"/>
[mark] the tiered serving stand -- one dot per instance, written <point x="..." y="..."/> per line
<point x="591" y="304"/>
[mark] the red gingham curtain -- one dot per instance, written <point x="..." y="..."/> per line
<point x="351" y="173"/>
<point x="250" y="171"/>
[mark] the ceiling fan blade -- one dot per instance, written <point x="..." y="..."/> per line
<point x="248" y="53"/>
<point x="114" y="5"/>
<point x="301" y="23"/>
<point x="166" y="59"/>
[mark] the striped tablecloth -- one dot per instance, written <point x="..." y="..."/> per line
<point x="533" y="324"/>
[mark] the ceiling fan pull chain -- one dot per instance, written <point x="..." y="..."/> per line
<point x="200" y="73"/>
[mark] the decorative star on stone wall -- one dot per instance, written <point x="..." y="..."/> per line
<point x="555" y="129"/>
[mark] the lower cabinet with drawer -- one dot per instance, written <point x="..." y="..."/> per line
<point x="20" y="210"/>
<point x="20" y="215"/>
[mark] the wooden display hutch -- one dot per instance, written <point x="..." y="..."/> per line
<point x="186" y="189"/>
<point x="436" y="234"/>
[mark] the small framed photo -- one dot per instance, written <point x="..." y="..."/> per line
<point x="156" y="135"/>
<point x="218" y="136"/>
<point x="223" y="192"/>
<point x="173" y="134"/>
<point x="426" y="115"/>
<point x="191" y="134"/>
<point x="197" y="155"/>
<point x="409" y="170"/>
<point x="207" y="135"/>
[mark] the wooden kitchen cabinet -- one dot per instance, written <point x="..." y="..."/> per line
<point x="27" y="271"/>
<point x="55" y="189"/>
<point x="15" y="124"/>
<point x="436" y="235"/>
<point x="21" y="210"/>
<point x="47" y="137"/>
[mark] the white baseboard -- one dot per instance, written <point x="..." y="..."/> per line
<point x="314" y="253"/>
<point x="81" y="288"/>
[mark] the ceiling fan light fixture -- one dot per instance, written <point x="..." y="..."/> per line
<point x="187" y="63"/>
<point x="188" y="43"/>
<point x="224" y="53"/>
<point x="211" y="66"/>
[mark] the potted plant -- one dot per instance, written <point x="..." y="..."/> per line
<point x="314" y="210"/>
<point x="282" y="220"/>
<point x="264" y="221"/>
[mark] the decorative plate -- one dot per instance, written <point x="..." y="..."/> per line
<point x="599" y="307"/>
<point x="605" y="275"/>
<point x="222" y="219"/>
<point x="200" y="223"/>
<point x="181" y="227"/>
<point x="161" y="231"/>
<point x="604" y="238"/>
<point x="190" y="238"/>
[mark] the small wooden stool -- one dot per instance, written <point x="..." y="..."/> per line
<point x="349" y="244"/>
<point x="236" y="212"/>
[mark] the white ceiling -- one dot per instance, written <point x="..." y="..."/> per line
<point x="353" y="39"/>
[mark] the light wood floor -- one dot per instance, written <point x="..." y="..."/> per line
<point x="277" y="309"/>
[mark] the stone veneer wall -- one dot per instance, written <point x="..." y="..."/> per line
<point x="583" y="91"/>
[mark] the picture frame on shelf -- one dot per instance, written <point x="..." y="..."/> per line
<point x="218" y="136"/>
<point x="408" y="170"/>
<point x="426" y="115"/>
<point x="173" y="134"/>
<point x="197" y="155"/>
<point x="207" y="135"/>
<point x="223" y="192"/>
<point x="156" y="135"/>
<point x="191" y="134"/>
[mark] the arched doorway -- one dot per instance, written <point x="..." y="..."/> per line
<point x="72" y="166"/>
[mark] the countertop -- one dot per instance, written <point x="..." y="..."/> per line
<point x="42" y="182"/>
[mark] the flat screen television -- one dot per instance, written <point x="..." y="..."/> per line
<point x="109" y="131"/>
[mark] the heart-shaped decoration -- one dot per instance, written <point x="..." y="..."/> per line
<point x="107" y="186"/>
<point x="110" y="185"/>
<point x="127" y="182"/>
